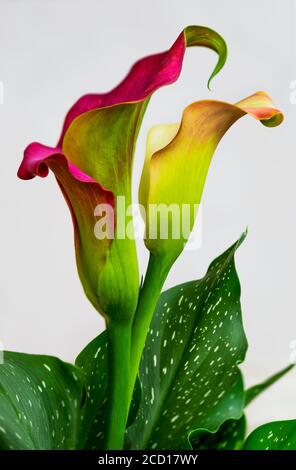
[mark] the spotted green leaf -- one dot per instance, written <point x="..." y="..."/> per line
<point x="93" y="362"/>
<point x="40" y="398"/>
<point x="230" y="436"/>
<point x="189" y="374"/>
<point x="279" y="435"/>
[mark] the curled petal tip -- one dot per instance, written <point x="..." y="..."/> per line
<point x="261" y="107"/>
<point x="33" y="162"/>
<point x="38" y="158"/>
<point x="207" y="37"/>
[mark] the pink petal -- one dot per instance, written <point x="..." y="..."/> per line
<point x="146" y="76"/>
<point x="36" y="159"/>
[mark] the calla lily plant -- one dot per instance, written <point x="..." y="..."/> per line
<point x="93" y="162"/>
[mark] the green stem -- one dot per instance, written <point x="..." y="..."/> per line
<point x="156" y="275"/>
<point x="118" y="383"/>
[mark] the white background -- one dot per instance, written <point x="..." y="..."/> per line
<point x="52" y="52"/>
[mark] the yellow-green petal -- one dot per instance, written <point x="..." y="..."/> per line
<point x="175" y="174"/>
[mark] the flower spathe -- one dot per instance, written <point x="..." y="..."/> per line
<point x="178" y="157"/>
<point x="92" y="163"/>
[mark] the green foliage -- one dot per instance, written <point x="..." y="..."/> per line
<point x="230" y="436"/>
<point x="93" y="362"/>
<point x="189" y="393"/>
<point x="189" y="374"/>
<point x="256" y="390"/>
<point x="40" y="397"/>
<point x="279" y="435"/>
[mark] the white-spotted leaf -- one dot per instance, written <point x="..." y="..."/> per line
<point x="230" y="436"/>
<point x="279" y="435"/>
<point x="93" y="362"/>
<point x="189" y="374"/>
<point x="40" y="397"/>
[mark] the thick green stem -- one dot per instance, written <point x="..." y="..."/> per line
<point x="118" y="383"/>
<point x="156" y="275"/>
